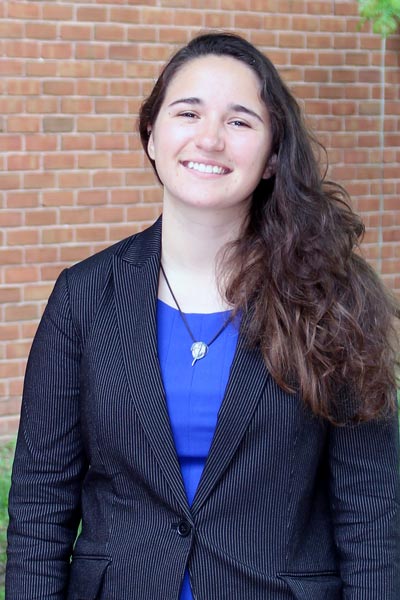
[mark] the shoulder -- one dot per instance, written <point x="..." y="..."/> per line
<point x="96" y="269"/>
<point x="79" y="289"/>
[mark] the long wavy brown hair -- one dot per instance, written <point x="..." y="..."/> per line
<point x="319" y="313"/>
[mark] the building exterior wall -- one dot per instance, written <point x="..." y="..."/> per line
<point x="73" y="177"/>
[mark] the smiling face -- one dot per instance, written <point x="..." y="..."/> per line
<point x="211" y="139"/>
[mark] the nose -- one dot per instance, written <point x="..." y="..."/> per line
<point x="209" y="136"/>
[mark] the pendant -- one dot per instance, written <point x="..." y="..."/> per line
<point x="199" y="350"/>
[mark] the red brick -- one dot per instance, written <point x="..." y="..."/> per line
<point x="23" y="312"/>
<point x="55" y="50"/>
<point x="90" y="51"/>
<point x="40" y="69"/>
<point x="73" y="179"/>
<point x="58" y="88"/>
<point x="156" y="16"/>
<point x="74" y="69"/>
<point x="57" y="12"/>
<point x="10" y="256"/>
<point x="127" y="160"/>
<point x="18" y="350"/>
<point x="75" y="32"/>
<point x="9" y="182"/>
<point x="291" y="40"/>
<point x="125" y="15"/>
<point x="22" y="162"/>
<point x="89" y="234"/>
<point x="344" y="108"/>
<point x="213" y="20"/>
<point x="109" y="105"/>
<point x="39" y="180"/>
<point x="22" y="49"/>
<point x="92" y="124"/>
<point x="109" y="33"/>
<point x="23" y="87"/>
<point x="56" y="235"/>
<point x="192" y="18"/>
<point x="40" y="217"/>
<point x="41" y="254"/>
<point x="9" y="143"/>
<point x="71" y="216"/>
<point x="23" y="124"/>
<point x="109" y="69"/>
<point x="50" y="272"/>
<point x="143" y="213"/>
<point x="11" y="67"/>
<point x="39" y="143"/>
<point x="41" y="105"/>
<point x="22" y="237"/>
<point x="11" y="29"/>
<point x="123" y="52"/>
<point x="77" y="142"/>
<point x="40" y="291"/>
<point x="76" y="105"/>
<point x="150" y="34"/>
<point x="91" y="88"/>
<point x="92" y="13"/>
<point x="11" y="218"/>
<point x="23" y="10"/>
<point x="22" y="199"/>
<point x="57" y="198"/>
<point x="20" y="274"/>
<point x="58" y="161"/>
<point x="107" y="179"/>
<point x="93" y="160"/>
<point x="41" y="31"/>
<point x="108" y="215"/>
<point x="90" y="197"/>
<point x="110" y="142"/>
<point x="74" y="253"/>
<point x="125" y="88"/>
<point x="130" y="196"/>
<point x="9" y="294"/>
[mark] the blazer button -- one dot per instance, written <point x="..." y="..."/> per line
<point x="183" y="528"/>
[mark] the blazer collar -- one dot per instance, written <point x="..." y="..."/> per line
<point x="136" y="274"/>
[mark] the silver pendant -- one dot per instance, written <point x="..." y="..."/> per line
<point x="199" y="350"/>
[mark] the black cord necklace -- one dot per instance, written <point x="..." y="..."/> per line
<point x="198" y="349"/>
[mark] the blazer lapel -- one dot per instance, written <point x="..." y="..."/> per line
<point x="247" y="379"/>
<point x="136" y="284"/>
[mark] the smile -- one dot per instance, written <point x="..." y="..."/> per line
<point x="203" y="168"/>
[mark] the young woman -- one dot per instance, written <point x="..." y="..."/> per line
<point x="215" y="397"/>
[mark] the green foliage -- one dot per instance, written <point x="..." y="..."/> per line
<point x="6" y="456"/>
<point x="384" y="14"/>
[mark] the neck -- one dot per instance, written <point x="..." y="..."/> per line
<point x="192" y="241"/>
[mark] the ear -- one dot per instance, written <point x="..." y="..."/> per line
<point x="271" y="167"/>
<point x="150" y="146"/>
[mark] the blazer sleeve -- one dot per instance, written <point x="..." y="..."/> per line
<point x="365" y="493"/>
<point x="49" y="463"/>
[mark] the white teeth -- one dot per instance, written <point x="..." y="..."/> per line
<point x="205" y="168"/>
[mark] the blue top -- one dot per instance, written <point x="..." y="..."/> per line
<point x="193" y="394"/>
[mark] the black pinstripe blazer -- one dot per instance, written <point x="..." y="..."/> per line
<point x="287" y="507"/>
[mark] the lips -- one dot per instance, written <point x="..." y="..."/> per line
<point x="201" y="167"/>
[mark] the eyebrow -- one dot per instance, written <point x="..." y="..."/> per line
<point x="235" y="107"/>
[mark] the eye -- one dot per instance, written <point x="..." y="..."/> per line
<point x="188" y="114"/>
<point x="239" y="123"/>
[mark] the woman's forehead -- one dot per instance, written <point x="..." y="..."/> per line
<point x="211" y="75"/>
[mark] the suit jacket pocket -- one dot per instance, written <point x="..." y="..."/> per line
<point x="86" y="577"/>
<point x="314" y="586"/>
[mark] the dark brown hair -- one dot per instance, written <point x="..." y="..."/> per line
<point x="319" y="313"/>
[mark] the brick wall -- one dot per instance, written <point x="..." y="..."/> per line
<point x="73" y="178"/>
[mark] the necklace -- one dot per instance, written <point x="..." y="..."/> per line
<point x="198" y="349"/>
